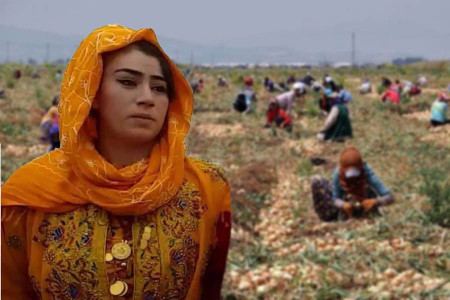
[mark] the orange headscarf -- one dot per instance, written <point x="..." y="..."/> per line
<point x="76" y="174"/>
<point x="351" y="158"/>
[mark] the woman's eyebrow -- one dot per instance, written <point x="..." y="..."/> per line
<point x="158" y="77"/>
<point x="140" y="74"/>
<point x="133" y="72"/>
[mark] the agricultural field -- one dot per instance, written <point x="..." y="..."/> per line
<point x="279" y="248"/>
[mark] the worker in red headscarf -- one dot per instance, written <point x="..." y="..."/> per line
<point x="248" y="89"/>
<point x="355" y="190"/>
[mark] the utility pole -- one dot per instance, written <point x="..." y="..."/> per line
<point x="7" y="51"/>
<point x="353" y="49"/>
<point x="47" y="52"/>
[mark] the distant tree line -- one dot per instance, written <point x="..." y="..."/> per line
<point x="406" y="61"/>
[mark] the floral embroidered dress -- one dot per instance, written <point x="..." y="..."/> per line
<point x="76" y="227"/>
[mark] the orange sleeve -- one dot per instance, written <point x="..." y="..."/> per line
<point x="15" y="280"/>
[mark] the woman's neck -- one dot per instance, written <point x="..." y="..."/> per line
<point x="120" y="153"/>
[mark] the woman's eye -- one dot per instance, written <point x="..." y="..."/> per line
<point x="126" y="82"/>
<point x="160" y="89"/>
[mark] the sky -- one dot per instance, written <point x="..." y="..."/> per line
<point x="410" y="27"/>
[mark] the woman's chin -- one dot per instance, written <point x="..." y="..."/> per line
<point x="139" y="136"/>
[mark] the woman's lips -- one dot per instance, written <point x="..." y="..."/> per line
<point x="143" y="116"/>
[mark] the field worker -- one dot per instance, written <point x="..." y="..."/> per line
<point x="287" y="99"/>
<point x="194" y="87"/>
<point x="365" y="87"/>
<point x="290" y="79"/>
<point x="337" y="125"/>
<point x="355" y="190"/>
<point x="248" y="89"/>
<point x="269" y="84"/>
<point x="53" y="135"/>
<point x="248" y="82"/>
<point x="222" y="82"/>
<point x="276" y="115"/>
<point x="284" y="87"/>
<point x="386" y="82"/>
<point x="119" y="211"/>
<point x="405" y="87"/>
<point x="390" y="96"/>
<point x="308" y="79"/>
<point x="422" y="81"/>
<point x="17" y="74"/>
<point x="242" y="103"/>
<point x="439" y="110"/>
<point x="325" y="101"/>
<point x="2" y="93"/>
<point x="392" y="92"/>
<point x="344" y="95"/>
<point x="58" y="75"/>
<point x="413" y="90"/>
<point x="328" y="83"/>
<point x="197" y="86"/>
<point x="48" y="119"/>
<point x="317" y="87"/>
<point x="328" y="100"/>
<point x="397" y="86"/>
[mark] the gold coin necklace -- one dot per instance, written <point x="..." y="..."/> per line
<point x="121" y="250"/>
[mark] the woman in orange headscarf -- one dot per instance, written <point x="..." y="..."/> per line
<point x="119" y="211"/>
<point x="355" y="190"/>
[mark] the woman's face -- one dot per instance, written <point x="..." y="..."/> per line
<point x="132" y="100"/>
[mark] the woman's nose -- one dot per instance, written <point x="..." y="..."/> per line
<point x="145" y="96"/>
